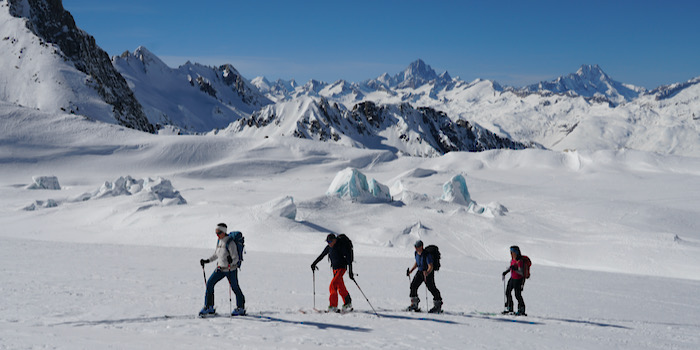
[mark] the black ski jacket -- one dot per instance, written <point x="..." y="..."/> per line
<point x="339" y="257"/>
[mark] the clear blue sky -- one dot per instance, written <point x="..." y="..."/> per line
<point x="642" y="42"/>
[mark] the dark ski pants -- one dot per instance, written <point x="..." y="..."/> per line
<point x="217" y="276"/>
<point x="418" y="279"/>
<point x="517" y="286"/>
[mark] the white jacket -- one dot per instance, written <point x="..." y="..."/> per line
<point x="221" y="254"/>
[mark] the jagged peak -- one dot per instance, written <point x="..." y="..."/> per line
<point x="260" y="79"/>
<point x="228" y="69"/>
<point x="314" y="84"/>
<point x="445" y="76"/>
<point x="420" y="70"/>
<point x="592" y="72"/>
<point x="145" y="56"/>
<point x="291" y="82"/>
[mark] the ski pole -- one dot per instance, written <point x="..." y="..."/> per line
<point x="205" y="276"/>
<point x="230" y="308"/>
<point x="505" y="302"/>
<point x="425" y="280"/>
<point x="363" y="294"/>
<point x="426" y="295"/>
<point x="314" y="279"/>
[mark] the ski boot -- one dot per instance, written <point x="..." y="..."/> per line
<point x="414" y="305"/>
<point x="333" y="309"/>
<point x="347" y="307"/>
<point x="507" y="311"/>
<point x="207" y="311"/>
<point x="521" y="311"/>
<point x="239" y="311"/>
<point x="437" y="307"/>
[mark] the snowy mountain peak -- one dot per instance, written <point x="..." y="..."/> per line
<point x="592" y="73"/>
<point x="192" y="97"/>
<point x="261" y="83"/>
<point x="146" y="56"/>
<point x="445" y="76"/>
<point x="419" y="70"/>
<point x="416" y="74"/>
<point x="591" y="82"/>
<point x="399" y="128"/>
<point x="55" y="57"/>
<point x="146" y="59"/>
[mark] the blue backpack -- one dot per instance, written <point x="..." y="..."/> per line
<point x="237" y="237"/>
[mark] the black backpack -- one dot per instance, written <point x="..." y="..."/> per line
<point x="435" y="253"/>
<point x="345" y="243"/>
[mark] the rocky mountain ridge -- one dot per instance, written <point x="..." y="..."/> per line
<point x="57" y="33"/>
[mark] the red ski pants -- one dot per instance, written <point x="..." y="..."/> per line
<point x="338" y="287"/>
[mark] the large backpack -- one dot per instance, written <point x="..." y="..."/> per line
<point x="345" y="243"/>
<point x="237" y="237"/>
<point x="526" y="266"/>
<point x="435" y="253"/>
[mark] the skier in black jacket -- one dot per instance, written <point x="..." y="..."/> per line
<point x="341" y="261"/>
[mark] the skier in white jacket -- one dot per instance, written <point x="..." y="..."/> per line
<point x="226" y="257"/>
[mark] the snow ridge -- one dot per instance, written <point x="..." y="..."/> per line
<point x="589" y="81"/>
<point x="194" y="97"/>
<point x="80" y="77"/>
<point x="400" y="129"/>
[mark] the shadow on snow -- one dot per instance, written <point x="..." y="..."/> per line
<point x="263" y="318"/>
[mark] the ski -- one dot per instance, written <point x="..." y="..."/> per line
<point x="318" y="311"/>
<point x="220" y="315"/>
<point x="512" y="313"/>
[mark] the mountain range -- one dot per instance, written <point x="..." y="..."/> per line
<point x="55" y="66"/>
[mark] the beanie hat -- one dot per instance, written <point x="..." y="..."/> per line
<point x="419" y="243"/>
<point x="330" y="237"/>
<point x="222" y="227"/>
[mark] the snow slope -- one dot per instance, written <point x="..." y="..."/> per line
<point x="192" y="97"/>
<point x="55" y="66"/>
<point x="612" y="235"/>
<point x="401" y="129"/>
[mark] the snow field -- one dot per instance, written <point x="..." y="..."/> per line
<point x="612" y="235"/>
<point x="82" y="296"/>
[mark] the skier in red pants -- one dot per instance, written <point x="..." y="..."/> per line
<point x="341" y="261"/>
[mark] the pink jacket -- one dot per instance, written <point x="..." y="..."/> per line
<point x="517" y="269"/>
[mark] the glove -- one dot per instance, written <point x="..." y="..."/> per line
<point x="229" y="259"/>
<point x="503" y="275"/>
<point x="350" y="274"/>
<point x="203" y="261"/>
<point x="313" y="267"/>
<point x="408" y="272"/>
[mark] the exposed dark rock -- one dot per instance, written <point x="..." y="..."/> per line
<point x="48" y="20"/>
